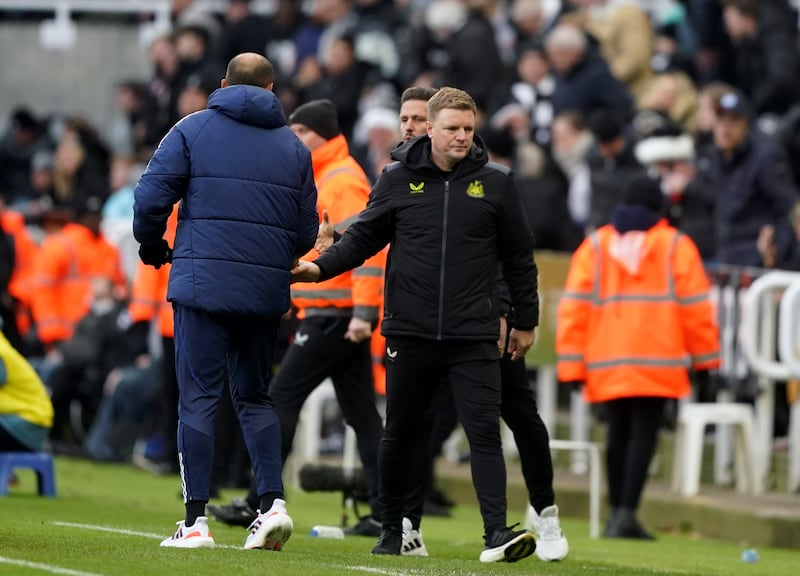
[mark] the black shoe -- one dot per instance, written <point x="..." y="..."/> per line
<point x="436" y="496"/>
<point x="237" y="513"/>
<point x="389" y="543"/>
<point x="625" y="525"/>
<point x="431" y="508"/>
<point x="508" y="545"/>
<point x="367" y="526"/>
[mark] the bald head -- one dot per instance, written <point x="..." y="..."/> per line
<point x="250" y="68"/>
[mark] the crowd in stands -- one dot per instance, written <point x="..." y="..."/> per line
<point x="580" y="97"/>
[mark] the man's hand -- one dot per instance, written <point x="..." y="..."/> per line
<point x="156" y="254"/>
<point x="325" y="234"/>
<point x="519" y="342"/>
<point x="305" y="271"/>
<point x="358" y="330"/>
<point x="501" y="342"/>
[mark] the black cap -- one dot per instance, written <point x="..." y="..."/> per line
<point x="499" y="141"/>
<point x="644" y="190"/>
<point x="319" y="116"/>
<point x="733" y="103"/>
<point x="606" y="124"/>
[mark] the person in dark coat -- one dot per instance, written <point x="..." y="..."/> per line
<point x="583" y="80"/>
<point x="752" y="184"/>
<point x="247" y="213"/>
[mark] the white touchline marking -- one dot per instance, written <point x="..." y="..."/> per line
<point x="372" y="570"/>
<point x="45" y="567"/>
<point x="128" y="532"/>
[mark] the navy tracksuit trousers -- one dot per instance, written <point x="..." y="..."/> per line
<point x="210" y="349"/>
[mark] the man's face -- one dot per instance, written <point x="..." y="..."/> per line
<point x="413" y="119"/>
<point x="729" y="131"/>
<point x="307" y="136"/>
<point x="451" y="134"/>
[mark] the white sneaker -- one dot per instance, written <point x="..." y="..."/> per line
<point x="196" y="536"/>
<point x="551" y="544"/>
<point x="270" y="530"/>
<point x="412" y="541"/>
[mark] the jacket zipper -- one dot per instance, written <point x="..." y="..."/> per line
<point x="444" y="258"/>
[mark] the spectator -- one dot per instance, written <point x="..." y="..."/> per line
<point x="762" y="61"/>
<point x="691" y="202"/>
<point x="625" y="35"/>
<point x="64" y="269"/>
<point x="342" y="80"/>
<point x="612" y="164"/>
<point x="533" y="89"/>
<point x="83" y="361"/>
<point x="26" y="413"/>
<point x="17" y="255"/>
<point x="636" y="267"/>
<point x="583" y="80"/>
<point x="571" y="144"/>
<point x="159" y="108"/>
<point x="752" y="184"/>
<point x="20" y="142"/>
<point x="82" y="167"/>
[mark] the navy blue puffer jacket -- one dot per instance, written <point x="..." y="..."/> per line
<point x="248" y="204"/>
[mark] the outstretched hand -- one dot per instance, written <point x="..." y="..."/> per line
<point x="324" y="234"/>
<point x="305" y="271"/>
<point x="519" y="342"/>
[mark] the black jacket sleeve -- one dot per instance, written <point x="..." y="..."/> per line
<point x="371" y="231"/>
<point x="515" y="245"/>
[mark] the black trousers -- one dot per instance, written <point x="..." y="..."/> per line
<point x="414" y="367"/>
<point x="521" y="413"/>
<point x="319" y="351"/>
<point x="633" y="425"/>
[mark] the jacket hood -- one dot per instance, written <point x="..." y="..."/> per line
<point x="416" y="153"/>
<point x="249" y="104"/>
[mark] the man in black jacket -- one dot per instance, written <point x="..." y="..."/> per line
<point x="450" y="217"/>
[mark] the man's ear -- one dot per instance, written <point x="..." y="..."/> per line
<point x="223" y="83"/>
<point x="271" y="84"/>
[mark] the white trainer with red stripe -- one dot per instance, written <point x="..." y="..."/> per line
<point x="195" y="536"/>
<point x="271" y="530"/>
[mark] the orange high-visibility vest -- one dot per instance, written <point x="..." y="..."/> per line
<point x="635" y="315"/>
<point x="65" y="266"/>
<point x="342" y="190"/>
<point x="20" y="286"/>
<point x="149" y="291"/>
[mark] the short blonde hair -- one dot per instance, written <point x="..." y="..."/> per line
<point x="447" y="97"/>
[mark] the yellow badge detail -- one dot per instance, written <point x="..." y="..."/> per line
<point x="475" y="189"/>
<point x="416" y="188"/>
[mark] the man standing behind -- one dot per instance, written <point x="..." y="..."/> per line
<point x="248" y="211"/>
<point x="450" y="217"/>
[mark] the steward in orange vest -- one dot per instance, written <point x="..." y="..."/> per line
<point x="149" y="290"/>
<point x="634" y="317"/>
<point x="20" y="283"/>
<point x="65" y="266"/>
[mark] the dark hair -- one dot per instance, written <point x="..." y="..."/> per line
<point x="417" y="93"/>
<point x="745" y="7"/>
<point x="250" y="68"/>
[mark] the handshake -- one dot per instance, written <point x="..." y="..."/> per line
<point x="156" y="254"/>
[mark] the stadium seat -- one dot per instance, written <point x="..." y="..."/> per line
<point x="40" y="462"/>
<point x="692" y="421"/>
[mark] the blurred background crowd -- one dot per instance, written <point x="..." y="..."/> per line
<point x="579" y="97"/>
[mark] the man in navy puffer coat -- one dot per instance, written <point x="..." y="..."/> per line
<point x="247" y="212"/>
